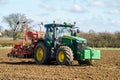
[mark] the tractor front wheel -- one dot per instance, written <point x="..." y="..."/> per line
<point x="64" y="55"/>
<point x="88" y="62"/>
<point x="40" y="54"/>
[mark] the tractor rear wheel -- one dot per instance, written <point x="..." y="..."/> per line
<point x="64" y="55"/>
<point x="41" y="54"/>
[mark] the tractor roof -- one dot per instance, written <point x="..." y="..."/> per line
<point x="58" y="25"/>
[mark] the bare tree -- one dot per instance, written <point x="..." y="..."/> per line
<point x="15" y="22"/>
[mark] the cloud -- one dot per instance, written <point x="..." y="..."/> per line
<point x="98" y="4"/>
<point x="47" y="7"/>
<point x="3" y="2"/>
<point x="75" y="8"/>
<point x="44" y="14"/>
<point x="115" y="21"/>
<point x="114" y="11"/>
<point x="115" y="3"/>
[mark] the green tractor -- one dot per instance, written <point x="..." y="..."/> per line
<point x="63" y="46"/>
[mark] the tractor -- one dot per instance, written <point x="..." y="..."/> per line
<point x="59" y="43"/>
<point x="63" y="46"/>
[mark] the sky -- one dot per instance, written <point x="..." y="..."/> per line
<point x="97" y="15"/>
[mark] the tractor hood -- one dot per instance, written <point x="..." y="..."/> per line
<point x="78" y="39"/>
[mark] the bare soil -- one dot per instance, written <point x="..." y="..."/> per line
<point x="108" y="68"/>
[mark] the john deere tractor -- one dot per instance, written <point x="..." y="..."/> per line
<point x="63" y="46"/>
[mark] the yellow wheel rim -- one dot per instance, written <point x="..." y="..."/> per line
<point x="61" y="56"/>
<point x="39" y="54"/>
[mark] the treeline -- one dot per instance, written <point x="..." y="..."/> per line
<point x="9" y="33"/>
<point x="102" y="39"/>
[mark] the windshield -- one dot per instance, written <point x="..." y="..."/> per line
<point x="63" y="31"/>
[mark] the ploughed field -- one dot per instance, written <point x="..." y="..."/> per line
<point x="108" y="68"/>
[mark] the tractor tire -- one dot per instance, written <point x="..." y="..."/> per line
<point x="81" y="62"/>
<point x="64" y="55"/>
<point x="88" y="62"/>
<point x="41" y="54"/>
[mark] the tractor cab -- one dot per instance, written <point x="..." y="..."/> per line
<point x="58" y="30"/>
<point x="60" y="33"/>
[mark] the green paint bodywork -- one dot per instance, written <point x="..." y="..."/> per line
<point x="74" y="38"/>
